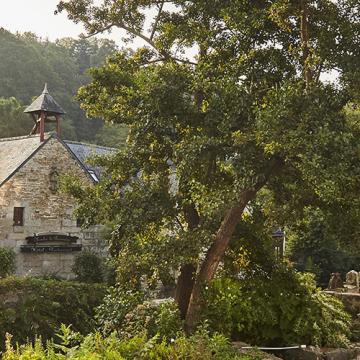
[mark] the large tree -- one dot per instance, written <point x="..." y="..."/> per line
<point x="223" y="103"/>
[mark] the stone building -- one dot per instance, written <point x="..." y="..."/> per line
<point x="36" y="219"/>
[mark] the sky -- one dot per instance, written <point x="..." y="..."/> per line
<point x="38" y="17"/>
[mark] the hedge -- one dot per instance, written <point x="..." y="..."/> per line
<point x="31" y="307"/>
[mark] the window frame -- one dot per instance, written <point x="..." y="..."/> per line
<point x="18" y="216"/>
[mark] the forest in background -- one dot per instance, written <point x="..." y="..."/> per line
<point x="28" y="62"/>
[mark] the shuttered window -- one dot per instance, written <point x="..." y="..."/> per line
<point x="18" y="216"/>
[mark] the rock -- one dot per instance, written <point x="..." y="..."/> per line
<point x="342" y="354"/>
<point x="335" y="281"/>
<point x="303" y="354"/>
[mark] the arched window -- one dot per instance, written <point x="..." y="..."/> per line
<point x="54" y="180"/>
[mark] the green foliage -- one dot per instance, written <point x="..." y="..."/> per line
<point x="13" y="121"/>
<point x="27" y="62"/>
<point x="224" y="123"/>
<point x="201" y="346"/>
<point x="7" y="262"/>
<point x="32" y="307"/>
<point x="210" y="135"/>
<point x="280" y="308"/>
<point x="118" y="302"/>
<point x="151" y="318"/>
<point x="315" y="245"/>
<point x="88" y="267"/>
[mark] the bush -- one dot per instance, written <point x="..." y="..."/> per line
<point x="33" y="306"/>
<point x="110" y="315"/>
<point x="284" y="308"/>
<point x="314" y="246"/>
<point x="7" y="262"/>
<point x="88" y="267"/>
<point x="198" y="347"/>
<point x="153" y="318"/>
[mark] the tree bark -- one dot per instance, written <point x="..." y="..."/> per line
<point x="221" y="241"/>
<point x="214" y="256"/>
<point x="186" y="279"/>
<point x="304" y="29"/>
<point x="184" y="287"/>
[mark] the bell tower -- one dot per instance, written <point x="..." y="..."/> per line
<point x="44" y="110"/>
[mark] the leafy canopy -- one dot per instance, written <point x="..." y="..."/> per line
<point x="209" y="131"/>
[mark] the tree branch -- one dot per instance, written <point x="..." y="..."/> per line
<point x="108" y="27"/>
<point x="156" y="20"/>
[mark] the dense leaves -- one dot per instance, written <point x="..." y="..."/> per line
<point x="201" y="346"/>
<point x="277" y="308"/>
<point x="208" y="134"/>
<point x="7" y="262"/>
<point x="31" y="307"/>
<point x="28" y="62"/>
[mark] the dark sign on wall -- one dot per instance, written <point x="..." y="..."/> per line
<point x="50" y="243"/>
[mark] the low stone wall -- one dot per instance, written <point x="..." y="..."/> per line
<point x="351" y="301"/>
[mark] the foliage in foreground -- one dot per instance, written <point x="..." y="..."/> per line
<point x="281" y="308"/>
<point x="316" y="245"/>
<point x="247" y="114"/>
<point x="201" y="346"/>
<point x="7" y="262"/>
<point x="31" y="307"/>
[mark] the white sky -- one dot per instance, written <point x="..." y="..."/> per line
<point x="38" y="17"/>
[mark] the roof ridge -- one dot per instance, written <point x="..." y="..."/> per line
<point x="88" y="144"/>
<point x="23" y="137"/>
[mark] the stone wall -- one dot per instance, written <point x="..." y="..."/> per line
<point x="45" y="210"/>
<point x="351" y="301"/>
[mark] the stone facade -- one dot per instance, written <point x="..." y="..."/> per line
<point x="45" y="210"/>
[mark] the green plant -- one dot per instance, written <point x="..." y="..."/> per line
<point x="31" y="307"/>
<point x="316" y="245"/>
<point x="88" y="267"/>
<point x="7" y="262"/>
<point x="118" y="302"/>
<point x="153" y="318"/>
<point x="201" y="346"/>
<point x="281" y="308"/>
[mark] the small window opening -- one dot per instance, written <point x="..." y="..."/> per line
<point x="93" y="175"/>
<point x="54" y="180"/>
<point x="79" y="222"/>
<point x="18" y="216"/>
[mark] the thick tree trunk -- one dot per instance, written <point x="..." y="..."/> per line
<point x="184" y="287"/>
<point x="186" y="279"/>
<point x="221" y="241"/>
<point x="214" y="256"/>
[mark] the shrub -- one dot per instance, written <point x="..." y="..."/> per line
<point x="153" y="318"/>
<point x="7" y="262"/>
<point x="33" y="306"/>
<point x="283" y="308"/>
<point x="110" y="315"/>
<point x="201" y="346"/>
<point x="314" y="246"/>
<point x="88" y="267"/>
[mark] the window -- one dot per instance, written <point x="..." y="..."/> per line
<point x="54" y="177"/>
<point x="93" y="175"/>
<point x="18" y="216"/>
<point x="79" y="222"/>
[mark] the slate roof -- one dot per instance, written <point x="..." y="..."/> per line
<point x="45" y="102"/>
<point x="17" y="151"/>
<point x="85" y="151"/>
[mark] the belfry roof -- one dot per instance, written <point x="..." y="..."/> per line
<point x="45" y="102"/>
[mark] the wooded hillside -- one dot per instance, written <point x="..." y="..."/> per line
<point x="28" y="62"/>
